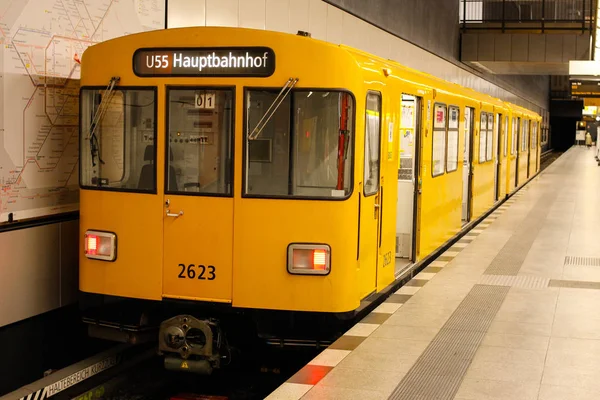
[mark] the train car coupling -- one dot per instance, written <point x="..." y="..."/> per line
<point x="191" y="344"/>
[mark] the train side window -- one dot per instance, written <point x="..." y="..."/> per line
<point x="452" y="156"/>
<point x="372" y="143"/>
<point x="295" y="152"/>
<point x="199" y="141"/>
<point x="490" y="138"/>
<point x="483" y="137"/>
<point x="506" y="130"/>
<point x="120" y="154"/>
<point x="440" y="124"/>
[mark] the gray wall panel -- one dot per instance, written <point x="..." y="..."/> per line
<point x="433" y="26"/>
<point x="69" y="263"/>
<point x="430" y="24"/>
<point x="38" y="270"/>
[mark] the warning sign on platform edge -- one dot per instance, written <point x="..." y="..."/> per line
<point x="73" y="379"/>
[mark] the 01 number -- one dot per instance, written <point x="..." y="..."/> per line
<point x="197" y="272"/>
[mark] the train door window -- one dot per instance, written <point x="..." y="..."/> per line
<point x="439" y="139"/>
<point x="407" y="138"/>
<point x="199" y="141"/>
<point x="294" y="152"/>
<point x="525" y="133"/>
<point x="482" y="137"/>
<point x="452" y="156"/>
<point x="372" y="143"/>
<point x="119" y="153"/>
<point x="490" y="137"/>
<point x="506" y="129"/>
<point x="499" y="127"/>
<point x="515" y="135"/>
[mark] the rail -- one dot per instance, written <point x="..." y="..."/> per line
<point x="544" y="15"/>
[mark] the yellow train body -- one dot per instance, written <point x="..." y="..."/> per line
<point x="238" y="243"/>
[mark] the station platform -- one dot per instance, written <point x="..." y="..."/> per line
<point x="510" y="311"/>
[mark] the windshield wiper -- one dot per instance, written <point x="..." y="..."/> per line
<point x="287" y="88"/>
<point x="100" y="112"/>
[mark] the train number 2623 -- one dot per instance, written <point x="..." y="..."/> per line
<point x="193" y="271"/>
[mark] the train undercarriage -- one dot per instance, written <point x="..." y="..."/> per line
<point x="201" y="337"/>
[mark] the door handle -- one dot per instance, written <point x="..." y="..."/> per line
<point x="169" y="214"/>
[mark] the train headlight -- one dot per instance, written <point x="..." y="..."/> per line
<point x="309" y="259"/>
<point x="100" y="245"/>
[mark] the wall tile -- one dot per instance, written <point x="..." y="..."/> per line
<point x="222" y="12"/>
<point x="317" y="19"/>
<point x="184" y="13"/>
<point x="299" y="16"/>
<point x="252" y="14"/>
<point x="334" y="25"/>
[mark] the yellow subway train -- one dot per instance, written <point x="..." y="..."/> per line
<point x="231" y="173"/>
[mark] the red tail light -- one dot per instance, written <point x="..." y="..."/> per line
<point x="319" y="259"/>
<point x="91" y="245"/>
<point x="309" y="259"/>
<point x="100" y="245"/>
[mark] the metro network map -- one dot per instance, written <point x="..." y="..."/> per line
<point x="41" y="46"/>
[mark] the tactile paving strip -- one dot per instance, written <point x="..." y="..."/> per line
<point x="525" y="282"/>
<point x="509" y="260"/>
<point x="439" y="371"/>
<point x="582" y="261"/>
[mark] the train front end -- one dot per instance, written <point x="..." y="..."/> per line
<point x="217" y="174"/>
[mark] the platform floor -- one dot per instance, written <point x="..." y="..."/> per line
<point x="511" y="311"/>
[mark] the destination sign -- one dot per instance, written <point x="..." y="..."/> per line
<point x="219" y="61"/>
<point x="585" y="88"/>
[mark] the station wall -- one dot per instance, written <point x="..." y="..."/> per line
<point x="333" y="24"/>
<point x="39" y="270"/>
<point x="42" y="41"/>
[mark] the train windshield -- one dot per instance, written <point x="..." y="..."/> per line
<point x="118" y="132"/>
<point x="305" y="148"/>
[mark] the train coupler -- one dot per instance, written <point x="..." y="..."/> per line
<point x="191" y="344"/>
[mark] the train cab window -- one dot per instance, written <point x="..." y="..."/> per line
<point x="293" y="150"/>
<point x="199" y="141"/>
<point x="118" y="132"/>
<point x="483" y="137"/>
<point x="440" y="124"/>
<point x="452" y="157"/>
<point x="372" y="143"/>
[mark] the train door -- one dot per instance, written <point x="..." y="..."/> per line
<point x="406" y="215"/>
<point x="528" y="147"/>
<point x="370" y="200"/>
<point x="198" y="202"/>
<point x="467" y="163"/>
<point x="498" y="172"/>
<point x="518" y="152"/>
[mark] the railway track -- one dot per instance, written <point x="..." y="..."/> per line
<point x="137" y="372"/>
<point x="548" y="157"/>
